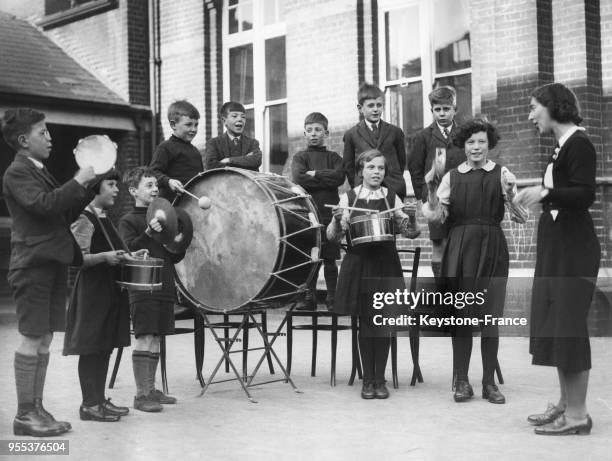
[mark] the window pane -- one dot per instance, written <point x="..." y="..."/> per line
<point x="241" y="74"/>
<point x="240" y="16"/>
<point x="55" y="6"/>
<point x="406" y="108"/>
<point x="249" y="129"/>
<point x="274" y="11"/>
<point x="452" y="35"/>
<point x="463" y="85"/>
<point x="276" y="78"/>
<point x="402" y="40"/>
<point x="277" y="134"/>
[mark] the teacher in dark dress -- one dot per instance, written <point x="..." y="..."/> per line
<point x="567" y="261"/>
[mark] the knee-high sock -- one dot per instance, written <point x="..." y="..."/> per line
<point x="88" y="369"/>
<point x="462" y="351"/>
<point x="366" y="349"/>
<point x="381" y="354"/>
<point x="140" y="363"/>
<point x="41" y="375"/>
<point x="101" y="373"/>
<point x="488" y="349"/>
<point x="153" y="362"/>
<point x="25" y="371"/>
<point x="330" y="272"/>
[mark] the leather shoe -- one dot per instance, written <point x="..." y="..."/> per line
<point x="367" y="391"/>
<point x="44" y="413"/>
<point x="97" y="413"/>
<point x="158" y="396"/>
<point x="143" y="403"/>
<point x="381" y="391"/>
<point x="114" y="409"/>
<point x="492" y="394"/>
<point x="551" y="413"/>
<point x="561" y="426"/>
<point x="30" y="422"/>
<point x="463" y="391"/>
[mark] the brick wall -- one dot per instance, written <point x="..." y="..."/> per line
<point x="321" y="67"/>
<point x="138" y="53"/>
<point x="182" y="55"/>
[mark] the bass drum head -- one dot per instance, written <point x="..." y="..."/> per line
<point x="235" y="242"/>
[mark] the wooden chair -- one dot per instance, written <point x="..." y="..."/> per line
<point x="413" y="270"/>
<point x="333" y="326"/>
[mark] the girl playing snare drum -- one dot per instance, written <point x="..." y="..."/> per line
<point x="369" y="269"/>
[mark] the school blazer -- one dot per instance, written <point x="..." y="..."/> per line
<point x="219" y="148"/>
<point x="390" y="143"/>
<point x="42" y="212"/>
<point x="423" y="152"/>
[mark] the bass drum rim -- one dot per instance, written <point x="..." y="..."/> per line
<point x="281" y="226"/>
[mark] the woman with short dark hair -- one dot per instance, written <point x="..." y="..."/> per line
<point x="565" y="272"/>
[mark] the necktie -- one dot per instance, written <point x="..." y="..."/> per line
<point x="236" y="141"/>
<point x="375" y="131"/>
<point x="445" y="132"/>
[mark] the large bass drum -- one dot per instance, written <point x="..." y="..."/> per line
<point x="259" y="241"/>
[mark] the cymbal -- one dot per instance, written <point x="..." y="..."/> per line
<point x="184" y="234"/>
<point x="161" y="209"/>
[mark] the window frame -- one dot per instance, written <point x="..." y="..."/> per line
<point x="427" y="49"/>
<point x="76" y="13"/>
<point x="256" y="36"/>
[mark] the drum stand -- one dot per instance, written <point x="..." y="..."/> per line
<point x="226" y="345"/>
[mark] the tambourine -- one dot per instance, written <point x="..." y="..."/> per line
<point x="97" y="151"/>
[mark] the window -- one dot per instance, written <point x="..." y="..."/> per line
<point x="61" y="12"/>
<point x="425" y="44"/>
<point x="255" y="62"/>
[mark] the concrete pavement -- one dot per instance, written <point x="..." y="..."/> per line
<point x="322" y="423"/>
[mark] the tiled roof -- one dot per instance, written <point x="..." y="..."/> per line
<point x="31" y="64"/>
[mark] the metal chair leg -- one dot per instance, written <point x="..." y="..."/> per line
<point x="111" y="383"/>
<point x="264" y="327"/>
<point x="162" y="359"/>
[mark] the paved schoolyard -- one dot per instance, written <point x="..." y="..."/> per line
<point x="322" y="423"/>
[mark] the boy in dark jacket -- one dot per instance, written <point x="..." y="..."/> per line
<point x="233" y="148"/>
<point x="152" y="312"/>
<point x="42" y="247"/>
<point x="320" y="172"/>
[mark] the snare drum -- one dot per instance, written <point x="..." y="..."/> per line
<point x="259" y="241"/>
<point x="369" y="229"/>
<point x="141" y="274"/>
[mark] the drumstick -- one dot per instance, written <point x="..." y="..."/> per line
<point x="367" y="210"/>
<point x="203" y="202"/>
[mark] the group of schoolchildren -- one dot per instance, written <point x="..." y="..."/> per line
<point x="55" y="226"/>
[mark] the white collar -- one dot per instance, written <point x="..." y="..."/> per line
<point x="37" y="163"/>
<point x="568" y="133"/>
<point x="232" y="137"/>
<point x="100" y="212"/>
<point x="364" y="192"/>
<point x="442" y="128"/>
<point x="371" y="125"/>
<point x="465" y="168"/>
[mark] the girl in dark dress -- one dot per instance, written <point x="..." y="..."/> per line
<point x="567" y="260"/>
<point x="369" y="269"/>
<point x="97" y="319"/>
<point x="472" y="198"/>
